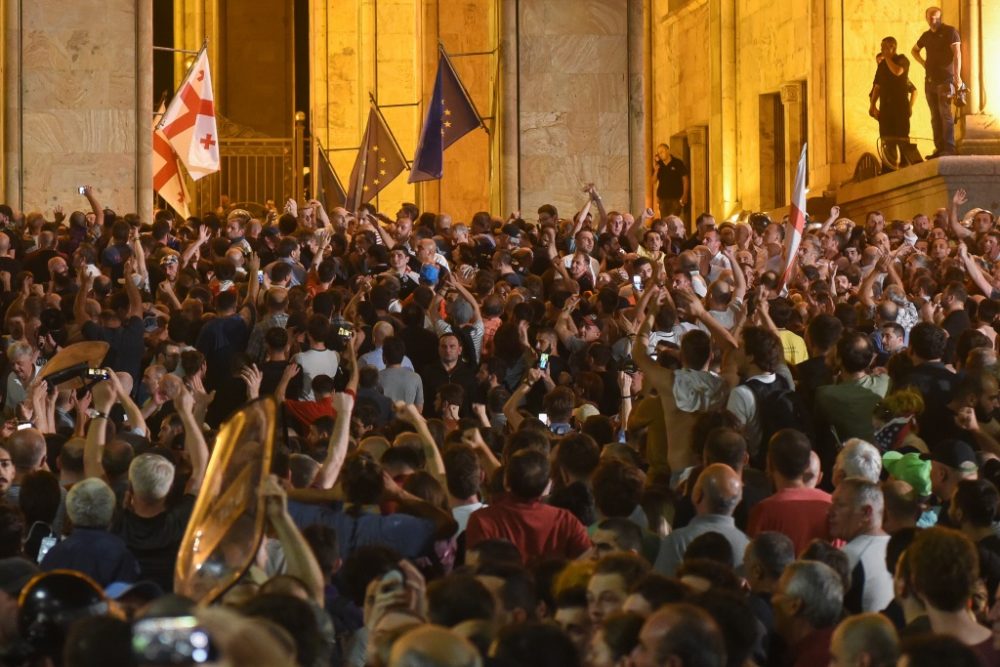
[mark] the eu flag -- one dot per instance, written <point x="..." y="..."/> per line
<point x="331" y="192"/>
<point x="379" y="161"/>
<point x="450" y="116"/>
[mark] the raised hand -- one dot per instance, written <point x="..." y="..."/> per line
<point x="184" y="401"/>
<point x="275" y="498"/>
<point x="291" y="370"/>
<point x="252" y="376"/>
<point x="960" y="197"/>
<point x="342" y="403"/>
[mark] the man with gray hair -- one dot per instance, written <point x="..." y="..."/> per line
<point x="433" y="646"/>
<point x="91" y="548"/>
<point x="865" y="639"/>
<point x="808" y="604"/>
<point x="858" y="458"/>
<point x="717" y="492"/>
<point x="856" y="518"/>
<point x="22" y="370"/>
<point x="151" y="527"/>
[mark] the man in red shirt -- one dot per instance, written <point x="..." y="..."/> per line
<point x="796" y="509"/>
<point x="519" y="516"/>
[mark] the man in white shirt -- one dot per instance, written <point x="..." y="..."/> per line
<point x="317" y="360"/>
<point x="856" y="517"/>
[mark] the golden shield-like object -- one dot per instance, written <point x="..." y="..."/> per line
<point x="227" y="524"/>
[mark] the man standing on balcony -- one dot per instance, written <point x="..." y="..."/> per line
<point x="943" y="66"/>
<point x="895" y="95"/>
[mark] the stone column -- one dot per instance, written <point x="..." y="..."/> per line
<point x="510" y="133"/>
<point x="144" y="110"/>
<point x="723" y="146"/>
<point x="78" y="104"/>
<point x="794" y="107"/>
<point x="697" y="138"/>
<point x="12" y="105"/>
<point x="979" y="127"/>
<point x="639" y="160"/>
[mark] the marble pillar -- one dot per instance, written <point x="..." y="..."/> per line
<point x="510" y="137"/>
<point x="78" y="103"/>
<point x="573" y="103"/>
<point x="794" y="105"/>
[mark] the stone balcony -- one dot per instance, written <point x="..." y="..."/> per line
<point x="925" y="187"/>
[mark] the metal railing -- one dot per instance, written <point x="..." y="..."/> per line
<point x="254" y="168"/>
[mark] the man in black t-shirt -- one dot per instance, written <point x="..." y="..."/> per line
<point x="894" y="94"/>
<point x="943" y="66"/>
<point x="672" y="182"/>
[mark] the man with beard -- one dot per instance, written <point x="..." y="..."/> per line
<point x="971" y="413"/>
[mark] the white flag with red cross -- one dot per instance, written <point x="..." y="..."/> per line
<point x="168" y="181"/>
<point x="189" y="122"/>
<point x="796" y="220"/>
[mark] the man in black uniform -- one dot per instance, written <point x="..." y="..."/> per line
<point x="671" y="176"/>
<point x="943" y="67"/>
<point x="894" y="95"/>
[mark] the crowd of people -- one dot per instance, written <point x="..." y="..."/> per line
<point x="597" y="440"/>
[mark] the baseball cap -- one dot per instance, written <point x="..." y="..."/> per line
<point x="429" y="274"/>
<point x="585" y="411"/>
<point x="909" y="468"/>
<point x="146" y="590"/>
<point x="954" y="454"/>
<point x="168" y="259"/>
<point x="15" y="573"/>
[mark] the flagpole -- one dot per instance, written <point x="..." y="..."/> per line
<point x="392" y="134"/>
<point x="190" y="69"/>
<point x="461" y="86"/>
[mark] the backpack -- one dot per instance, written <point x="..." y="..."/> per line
<point x="778" y="406"/>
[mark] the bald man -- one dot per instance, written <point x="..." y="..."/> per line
<point x="433" y="646"/>
<point x="380" y="332"/>
<point x="717" y="492"/>
<point x="681" y="635"/>
<point x="865" y="640"/>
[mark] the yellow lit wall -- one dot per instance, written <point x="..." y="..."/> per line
<point x="828" y="45"/>
<point x="360" y="48"/>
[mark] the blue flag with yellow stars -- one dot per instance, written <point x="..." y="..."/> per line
<point x="331" y="192"/>
<point x="379" y="161"/>
<point x="450" y="116"/>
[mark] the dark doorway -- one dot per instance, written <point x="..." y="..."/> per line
<point x="163" y="61"/>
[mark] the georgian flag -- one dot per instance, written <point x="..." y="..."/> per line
<point x="189" y="122"/>
<point x="796" y="220"/>
<point x="168" y="181"/>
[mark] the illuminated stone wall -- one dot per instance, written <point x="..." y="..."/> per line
<point x="76" y="103"/>
<point x="573" y="102"/>
<point x="405" y="34"/>
<point x="714" y="59"/>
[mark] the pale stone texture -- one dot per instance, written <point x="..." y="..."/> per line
<point x="829" y="47"/>
<point x="573" y="118"/>
<point x="75" y="102"/>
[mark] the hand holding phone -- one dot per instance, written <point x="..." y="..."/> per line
<point x="543" y="361"/>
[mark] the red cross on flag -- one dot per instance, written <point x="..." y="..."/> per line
<point x="168" y="181"/>
<point x="189" y="122"/>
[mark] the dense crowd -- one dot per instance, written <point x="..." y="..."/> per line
<point x="600" y="440"/>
